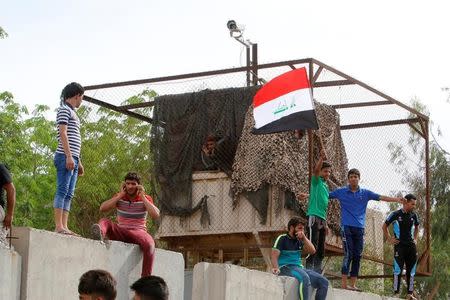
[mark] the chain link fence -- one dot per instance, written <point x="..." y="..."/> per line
<point x="383" y="138"/>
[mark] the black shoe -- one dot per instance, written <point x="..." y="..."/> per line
<point x="96" y="232"/>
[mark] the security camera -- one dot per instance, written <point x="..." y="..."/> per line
<point x="235" y="31"/>
<point x="231" y="25"/>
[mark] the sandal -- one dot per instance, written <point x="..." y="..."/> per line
<point x="73" y="233"/>
<point x="62" y="231"/>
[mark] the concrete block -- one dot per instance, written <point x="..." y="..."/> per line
<point x="340" y="294"/>
<point x="53" y="263"/>
<point x="230" y="282"/>
<point x="10" y="271"/>
<point x="188" y="281"/>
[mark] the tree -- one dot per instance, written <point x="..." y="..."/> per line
<point x="3" y="33"/>
<point x="112" y="145"/>
<point x="438" y="285"/>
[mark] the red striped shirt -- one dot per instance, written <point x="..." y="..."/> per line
<point x="131" y="213"/>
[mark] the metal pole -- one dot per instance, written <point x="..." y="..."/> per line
<point x="310" y="133"/>
<point x="428" y="194"/>
<point x="247" y="52"/>
<point x="255" y="64"/>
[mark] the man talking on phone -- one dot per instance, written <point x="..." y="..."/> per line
<point x="133" y="206"/>
<point x="286" y="260"/>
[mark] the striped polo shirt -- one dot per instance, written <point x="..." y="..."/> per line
<point x="66" y="115"/>
<point x="132" y="214"/>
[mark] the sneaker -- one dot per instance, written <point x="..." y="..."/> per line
<point x="96" y="232"/>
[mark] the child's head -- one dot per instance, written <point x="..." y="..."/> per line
<point x="353" y="177"/>
<point x="325" y="170"/>
<point x="410" y="203"/>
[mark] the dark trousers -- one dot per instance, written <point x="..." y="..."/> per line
<point x="352" y="243"/>
<point x="133" y="236"/>
<point x="316" y="232"/>
<point x="405" y="255"/>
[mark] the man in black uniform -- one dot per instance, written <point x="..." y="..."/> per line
<point x="404" y="240"/>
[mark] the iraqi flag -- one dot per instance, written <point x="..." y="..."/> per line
<point x="284" y="103"/>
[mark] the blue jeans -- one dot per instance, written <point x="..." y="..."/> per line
<point x="352" y="243"/>
<point x="66" y="181"/>
<point x="307" y="278"/>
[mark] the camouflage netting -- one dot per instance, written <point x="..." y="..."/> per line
<point x="181" y="125"/>
<point x="281" y="160"/>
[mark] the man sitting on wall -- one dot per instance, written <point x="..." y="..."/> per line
<point x="132" y="206"/>
<point x="287" y="260"/>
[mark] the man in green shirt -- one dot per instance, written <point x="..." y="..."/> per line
<point x="317" y="212"/>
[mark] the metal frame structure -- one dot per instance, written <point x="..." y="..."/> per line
<point x="419" y="122"/>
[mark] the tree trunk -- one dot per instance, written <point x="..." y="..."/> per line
<point x="434" y="291"/>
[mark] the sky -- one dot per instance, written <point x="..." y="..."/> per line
<point x="399" y="47"/>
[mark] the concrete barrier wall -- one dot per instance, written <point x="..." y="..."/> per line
<point x="10" y="269"/>
<point x="53" y="263"/>
<point x="230" y="282"/>
<point x="226" y="282"/>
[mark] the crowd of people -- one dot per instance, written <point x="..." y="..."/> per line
<point x="287" y="249"/>
<point x="133" y="206"/>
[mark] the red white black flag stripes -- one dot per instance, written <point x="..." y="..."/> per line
<point x="284" y="103"/>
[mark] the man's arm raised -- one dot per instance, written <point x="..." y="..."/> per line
<point x="112" y="203"/>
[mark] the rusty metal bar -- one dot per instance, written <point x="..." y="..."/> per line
<point x="361" y="104"/>
<point x="255" y="64"/>
<point x="193" y="75"/>
<point x="428" y="192"/>
<point x="137" y="105"/>
<point x="379" y="124"/>
<point x="248" y="64"/>
<point x="362" y="84"/>
<point x="333" y="83"/>
<point x="310" y="155"/>
<point x="118" y="109"/>
<point x="316" y="76"/>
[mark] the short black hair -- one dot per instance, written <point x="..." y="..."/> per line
<point x="294" y="221"/>
<point x="71" y="90"/>
<point x="98" y="282"/>
<point x="353" y="172"/>
<point x="410" y="197"/>
<point x="133" y="176"/>
<point x="325" y="164"/>
<point x="151" y="288"/>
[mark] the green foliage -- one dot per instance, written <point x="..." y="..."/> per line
<point x="3" y="33"/>
<point x="27" y="143"/>
<point x="113" y="144"/>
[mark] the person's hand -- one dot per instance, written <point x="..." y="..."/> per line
<point x="80" y="169"/>
<point x="70" y="163"/>
<point x="275" y="271"/>
<point x="323" y="155"/>
<point x="300" y="234"/>
<point x="205" y="150"/>
<point x="7" y="222"/>
<point x="393" y="241"/>
<point x="140" y="190"/>
<point x="327" y="230"/>
<point x="123" y="189"/>
<point x="302" y="196"/>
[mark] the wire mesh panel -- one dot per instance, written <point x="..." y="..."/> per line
<point x="383" y="138"/>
